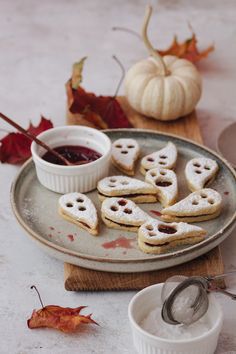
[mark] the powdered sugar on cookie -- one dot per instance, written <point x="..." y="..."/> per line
<point x="204" y="201"/>
<point x="156" y="237"/>
<point x="79" y="207"/>
<point x="165" y="182"/>
<point x="125" y="152"/>
<point x="165" y="158"/>
<point x="157" y="232"/>
<point x="120" y="185"/>
<point x="199" y="172"/>
<point x="123" y="211"/>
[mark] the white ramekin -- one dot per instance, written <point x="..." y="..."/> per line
<point x="66" y="179"/>
<point x="145" y="343"/>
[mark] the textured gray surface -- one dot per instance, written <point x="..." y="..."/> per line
<point x="39" y="41"/>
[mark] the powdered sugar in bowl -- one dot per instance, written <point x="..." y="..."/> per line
<point x="75" y="178"/>
<point x="151" y="335"/>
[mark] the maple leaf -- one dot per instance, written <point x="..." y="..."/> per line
<point x="15" y="147"/>
<point x="187" y="49"/>
<point x="102" y="111"/>
<point x="64" y="319"/>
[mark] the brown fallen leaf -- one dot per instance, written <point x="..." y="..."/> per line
<point x="64" y="319"/>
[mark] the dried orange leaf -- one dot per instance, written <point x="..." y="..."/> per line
<point x="64" y="319"/>
<point x="187" y="49"/>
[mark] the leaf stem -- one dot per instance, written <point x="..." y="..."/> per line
<point x="34" y="287"/>
<point x="115" y="28"/>
<point x="122" y="75"/>
<point x="148" y="44"/>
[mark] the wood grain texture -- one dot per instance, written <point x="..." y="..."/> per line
<point x="186" y="127"/>
<point x="77" y="278"/>
<point x="81" y="279"/>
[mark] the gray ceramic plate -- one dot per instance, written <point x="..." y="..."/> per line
<point x="116" y="251"/>
<point x="226" y="142"/>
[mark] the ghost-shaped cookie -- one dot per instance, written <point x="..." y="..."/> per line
<point x="157" y="237"/>
<point x="123" y="214"/>
<point x="200" y="172"/>
<point x="164" y="158"/>
<point x="125" y="153"/>
<point x="127" y="187"/>
<point x="165" y="182"/>
<point x="80" y="210"/>
<point x="201" y="205"/>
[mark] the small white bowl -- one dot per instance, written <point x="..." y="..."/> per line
<point x="67" y="179"/>
<point x="145" y="343"/>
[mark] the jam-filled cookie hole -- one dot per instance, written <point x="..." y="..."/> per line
<point x="203" y="195"/>
<point x="122" y="202"/>
<point x="127" y="211"/>
<point x="211" y="201"/>
<point x="196" y="164"/>
<point x="82" y="208"/>
<point x="112" y="180"/>
<point x="149" y="227"/>
<point x="166" y="229"/>
<point x="195" y="202"/>
<point x="160" y="183"/>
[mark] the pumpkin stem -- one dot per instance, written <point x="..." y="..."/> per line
<point x="150" y="48"/>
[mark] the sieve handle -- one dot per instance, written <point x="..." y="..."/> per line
<point x="221" y="275"/>
<point x="225" y="292"/>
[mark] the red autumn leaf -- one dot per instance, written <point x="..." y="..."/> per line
<point x="64" y="319"/>
<point x="15" y="147"/>
<point x="102" y="111"/>
<point x="111" y="112"/>
<point x="187" y="49"/>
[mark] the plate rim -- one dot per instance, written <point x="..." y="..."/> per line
<point x="217" y="145"/>
<point x="162" y="257"/>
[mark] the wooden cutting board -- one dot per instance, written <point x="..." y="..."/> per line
<point x="77" y="278"/>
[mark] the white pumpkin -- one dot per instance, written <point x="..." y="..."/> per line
<point x="164" y="88"/>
